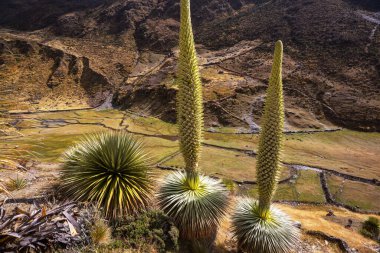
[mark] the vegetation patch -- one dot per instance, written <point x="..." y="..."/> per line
<point x="159" y="148"/>
<point x="356" y="194"/>
<point x="240" y="141"/>
<point x="304" y="187"/>
<point x="371" y="228"/>
<point x="222" y="163"/>
<point x="348" y="152"/>
<point x="149" y="125"/>
<point x="225" y="164"/>
<point x="148" y="231"/>
<point x="15" y="184"/>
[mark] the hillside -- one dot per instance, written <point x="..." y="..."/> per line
<point x="92" y="156"/>
<point x="95" y="51"/>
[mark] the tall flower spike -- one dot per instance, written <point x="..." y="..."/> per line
<point x="270" y="144"/>
<point x="257" y="225"/>
<point x="190" y="107"/>
<point x="195" y="202"/>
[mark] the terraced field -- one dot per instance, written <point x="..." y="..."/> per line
<point x="349" y="159"/>
<point x="321" y="170"/>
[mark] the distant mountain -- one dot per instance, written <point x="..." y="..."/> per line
<point x="128" y="49"/>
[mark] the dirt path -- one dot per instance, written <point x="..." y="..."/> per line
<point x="374" y="19"/>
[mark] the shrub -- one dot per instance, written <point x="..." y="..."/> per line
<point x="147" y="229"/>
<point x="110" y="168"/>
<point x="371" y="228"/>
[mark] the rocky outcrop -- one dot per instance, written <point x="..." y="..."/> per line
<point x="365" y="112"/>
<point x="156" y="100"/>
<point x="41" y="73"/>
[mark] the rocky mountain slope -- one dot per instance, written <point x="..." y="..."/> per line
<point x="64" y="54"/>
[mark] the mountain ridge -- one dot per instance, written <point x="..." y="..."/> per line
<point x="331" y="72"/>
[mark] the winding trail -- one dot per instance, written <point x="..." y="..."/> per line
<point x="374" y="19"/>
<point x="371" y="37"/>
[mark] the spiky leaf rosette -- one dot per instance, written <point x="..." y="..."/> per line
<point x="189" y="98"/>
<point x="195" y="202"/>
<point x="274" y="234"/>
<point x="110" y="168"/>
<point x="270" y="143"/>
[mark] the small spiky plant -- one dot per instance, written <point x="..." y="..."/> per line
<point x="17" y="183"/>
<point x="258" y="226"/>
<point x="195" y="202"/>
<point x="109" y="168"/>
<point x="100" y="232"/>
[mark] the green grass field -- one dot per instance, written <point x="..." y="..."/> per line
<point x="305" y="187"/>
<point x="355" y="194"/>
<point x="48" y="135"/>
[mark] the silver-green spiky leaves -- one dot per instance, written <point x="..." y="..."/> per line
<point x="109" y="168"/>
<point x="274" y="234"/>
<point x="270" y="144"/>
<point x="189" y="98"/>
<point x="195" y="202"/>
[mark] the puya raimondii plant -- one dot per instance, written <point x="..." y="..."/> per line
<point x="194" y="201"/>
<point x="257" y="225"/>
<point x="111" y="169"/>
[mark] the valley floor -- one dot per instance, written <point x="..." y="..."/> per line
<point x="321" y="170"/>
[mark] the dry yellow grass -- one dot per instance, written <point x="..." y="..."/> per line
<point x="311" y="218"/>
<point x="314" y="218"/>
<point x="218" y="85"/>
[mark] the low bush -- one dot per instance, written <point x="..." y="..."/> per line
<point x="148" y="229"/>
<point x="371" y="228"/>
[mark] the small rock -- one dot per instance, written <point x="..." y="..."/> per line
<point x="215" y="124"/>
<point x="349" y="224"/>
<point x="29" y="164"/>
<point x="212" y="130"/>
<point x="330" y="213"/>
<point x="298" y="224"/>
